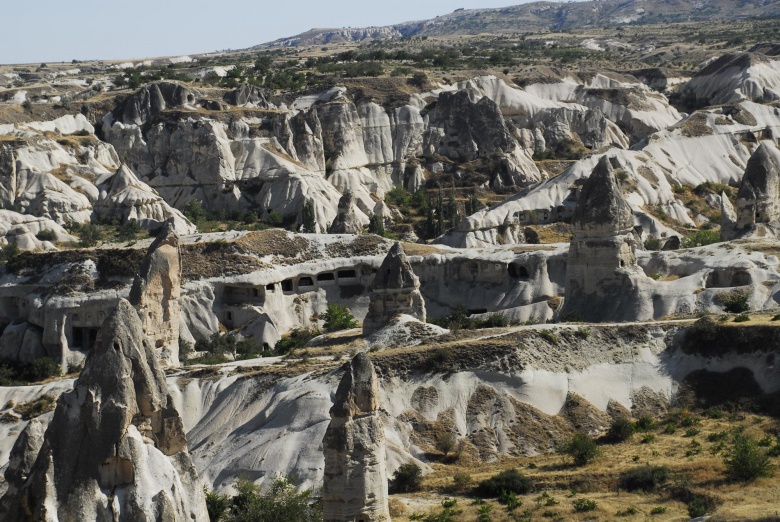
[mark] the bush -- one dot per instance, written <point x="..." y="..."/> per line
<point x="195" y="212"/>
<point x="338" y="318"/>
<point x="745" y="461"/>
<point x="620" y="430"/>
<point x="742" y="318"/>
<point x="43" y="369"/>
<point x="735" y="302"/>
<point x="581" y="449"/>
<point x="419" y="80"/>
<point x="583" y="505"/>
<point x="462" y="481"/>
<point x="46" y="235"/>
<point x="216" y="505"/>
<point x="297" y="338"/>
<point x="281" y="503"/>
<point x="8" y="252"/>
<point x="701" y="506"/>
<point x="701" y="238"/>
<point x="646" y="478"/>
<point x="407" y="478"/>
<point x="658" y="510"/>
<point x="89" y="235"/>
<point x="511" y="481"/>
<point x="645" y="423"/>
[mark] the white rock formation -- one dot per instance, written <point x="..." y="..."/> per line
<point x="395" y="290"/>
<point x="355" y="477"/>
<point x="115" y="449"/>
<point x="602" y="276"/>
<point x="735" y="77"/>
<point x="155" y="295"/>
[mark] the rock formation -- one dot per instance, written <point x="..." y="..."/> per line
<point x="395" y="290"/>
<point x="758" y="199"/>
<point x="602" y="271"/>
<point x="347" y="221"/>
<point x="115" y="449"/>
<point x="246" y="95"/>
<point x="155" y="294"/>
<point x="151" y="100"/>
<point x="355" y="482"/>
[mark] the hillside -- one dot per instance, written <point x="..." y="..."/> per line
<point x="541" y="16"/>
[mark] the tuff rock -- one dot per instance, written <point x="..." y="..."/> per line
<point x="347" y="220"/>
<point x="355" y="478"/>
<point x="115" y="449"/>
<point x="395" y="290"/>
<point x="155" y="294"/>
<point x="602" y="274"/>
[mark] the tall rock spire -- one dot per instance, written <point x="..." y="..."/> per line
<point x="395" y="290"/>
<point x="115" y="449"/>
<point x="355" y="487"/>
<point x="602" y="274"/>
<point x="155" y="294"/>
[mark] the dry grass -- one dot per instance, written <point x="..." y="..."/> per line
<point x="702" y="472"/>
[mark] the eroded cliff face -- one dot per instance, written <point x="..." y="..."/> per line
<point x="115" y="448"/>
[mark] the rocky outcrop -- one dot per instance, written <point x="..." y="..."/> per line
<point x="246" y="95"/>
<point x="155" y="295"/>
<point x="125" y="198"/>
<point x="395" y="290"/>
<point x="602" y="275"/>
<point x="355" y="481"/>
<point x="737" y="76"/>
<point x="115" y="449"/>
<point x="151" y="100"/>
<point x="758" y="199"/>
<point x="347" y="221"/>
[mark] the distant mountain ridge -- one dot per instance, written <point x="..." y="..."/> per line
<point x="544" y="15"/>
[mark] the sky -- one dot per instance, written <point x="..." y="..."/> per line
<point x="58" y="30"/>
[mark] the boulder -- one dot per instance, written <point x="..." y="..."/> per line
<point x="355" y="482"/>
<point x="115" y="449"/>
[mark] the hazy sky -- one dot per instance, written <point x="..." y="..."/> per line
<point x="58" y="30"/>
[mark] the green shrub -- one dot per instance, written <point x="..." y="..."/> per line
<point x="701" y="238"/>
<point x="89" y="235"/>
<point x="337" y="318"/>
<point x="446" y="442"/>
<point x="376" y="225"/>
<point x="195" y="212"/>
<point x="630" y="510"/>
<point x="297" y="338"/>
<point x="510" y="480"/>
<point x="46" y="235"/>
<point x="8" y="252"/>
<point x="620" y="430"/>
<point x="742" y="318"/>
<point x="407" y="478"/>
<point x="645" y="478"/>
<point x="275" y="219"/>
<point x="653" y="243"/>
<point x="216" y="505"/>
<point x="549" y="336"/>
<point x="648" y="438"/>
<point x="44" y="368"/>
<point x="692" y="432"/>
<point x="583" y="505"/>
<point x="670" y="428"/>
<point x="658" y="510"/>
<point x="462" y="481"/>
<point x="510" y="500"/>
<point x="581" y="449"/>
<point x="701" y="506"/>
<point x="483" y="513"/>
<point x="645" y="423"/>
<point x="281" y="503"/>
<point x="745" y="461"/>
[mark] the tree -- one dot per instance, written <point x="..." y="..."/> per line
<point x="418" y="79"/>
<point x="376" y="225"/>
<point x="338" y="317"/>
<point x="119" y="81"/>
<point x="308" y="218"/>
<point x="195" y="212"/>
<point x="745" y="461"/>
<point x="407" y="478"/>
<point x="446" y="442"/>
<point x="581" y="449"/>
<point x="281" y="503"/>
